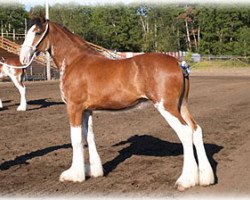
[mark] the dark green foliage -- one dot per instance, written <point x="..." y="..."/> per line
<point x="224" y="30"/>
<point x="217" y="30"/>
<point x="12" y="16"/>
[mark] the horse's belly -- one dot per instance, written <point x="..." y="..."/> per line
<point x="114" y="101"/>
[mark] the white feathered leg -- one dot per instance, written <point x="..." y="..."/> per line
<point x="206" y="175"/>
<point x="189" y="176"/>
<point x="23" y="103"/>
<point x="95" y="168"/>
<point x="76" y="172"/>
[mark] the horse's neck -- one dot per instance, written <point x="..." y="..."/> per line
<point x="66" y="47"/>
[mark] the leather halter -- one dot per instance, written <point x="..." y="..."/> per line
<point x="34" y="48"/>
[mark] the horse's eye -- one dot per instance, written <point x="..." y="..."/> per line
<point x="38" y="33"/>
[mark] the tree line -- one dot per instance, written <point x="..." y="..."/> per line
<point x="216" y="30"/>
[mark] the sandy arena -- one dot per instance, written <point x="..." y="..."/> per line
<point x="141" y="154"/>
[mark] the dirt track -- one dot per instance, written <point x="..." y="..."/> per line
<point x="141" y="155"/>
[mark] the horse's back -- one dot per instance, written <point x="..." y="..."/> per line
<point x="157" y="61"/>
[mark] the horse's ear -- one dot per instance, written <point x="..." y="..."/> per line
<point x="41" y="17"/>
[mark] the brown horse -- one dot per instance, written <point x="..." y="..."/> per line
<point x="90" y="81"/>
<point x="16" y="75"/>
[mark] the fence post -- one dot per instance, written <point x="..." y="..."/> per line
<point x="25" y="27"/>
<point x="47" y="53"/>
<point x="31" y="70"/>
<point x="2" y="33"/>
<point x="14" y="35"/>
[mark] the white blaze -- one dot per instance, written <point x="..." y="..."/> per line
<point x="26" y="49"/>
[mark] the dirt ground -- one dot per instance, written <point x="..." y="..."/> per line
<point x="141" y="155"/>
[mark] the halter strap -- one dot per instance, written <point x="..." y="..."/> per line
<point x="43" y="35"/>
<point x="19" y="67"/>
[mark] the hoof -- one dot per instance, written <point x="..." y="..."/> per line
<point x="206" y="178"/>
<point x="73" y="175"/>
<point x="180" y="187"/>
<point x="93" y="171"/>
<point x="22" y="108"/>
<point x="185" y="182"/>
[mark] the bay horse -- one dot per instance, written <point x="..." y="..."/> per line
<point x="16" y="76"/>
<point x="90" y="81"/>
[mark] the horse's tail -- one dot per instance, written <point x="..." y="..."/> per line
<point x="186" y="83"/>
<point x="183" y="100"/>
<point x="186" y="89"/>
<point x="183" y="106"/>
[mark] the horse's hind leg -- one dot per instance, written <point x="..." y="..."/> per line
<point x="95" y="165"/>
<point x="189" y="176"/>
<point x="206" y="175"/>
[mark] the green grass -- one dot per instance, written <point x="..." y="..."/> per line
<point x="220" y="64"/>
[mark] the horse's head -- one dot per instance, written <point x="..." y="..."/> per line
<point x="36" y="40"/>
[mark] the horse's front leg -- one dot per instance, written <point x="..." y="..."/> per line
<point x="95" y="165"/>
<point x="23" y="103"/>
<point x="76" y="172"/>
<point x="16" y="79"/>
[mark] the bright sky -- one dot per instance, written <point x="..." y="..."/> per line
<point x="30" y="3"/>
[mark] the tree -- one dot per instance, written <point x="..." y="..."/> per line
<point x="242" y="45"/>
<point x="12" y="16"/>
<point x="166" y="31"/>
<point x="221" y="29"/>
<point x="148" y="27"/>
<point x="189" y="17"/>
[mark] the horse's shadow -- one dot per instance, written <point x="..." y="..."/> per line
<point x="23" y="159"/>
<point x="6" y="101"/>
<point x="144" y="145"/>
<point x="43" y="103"/>
<point x="4" y="107"/>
